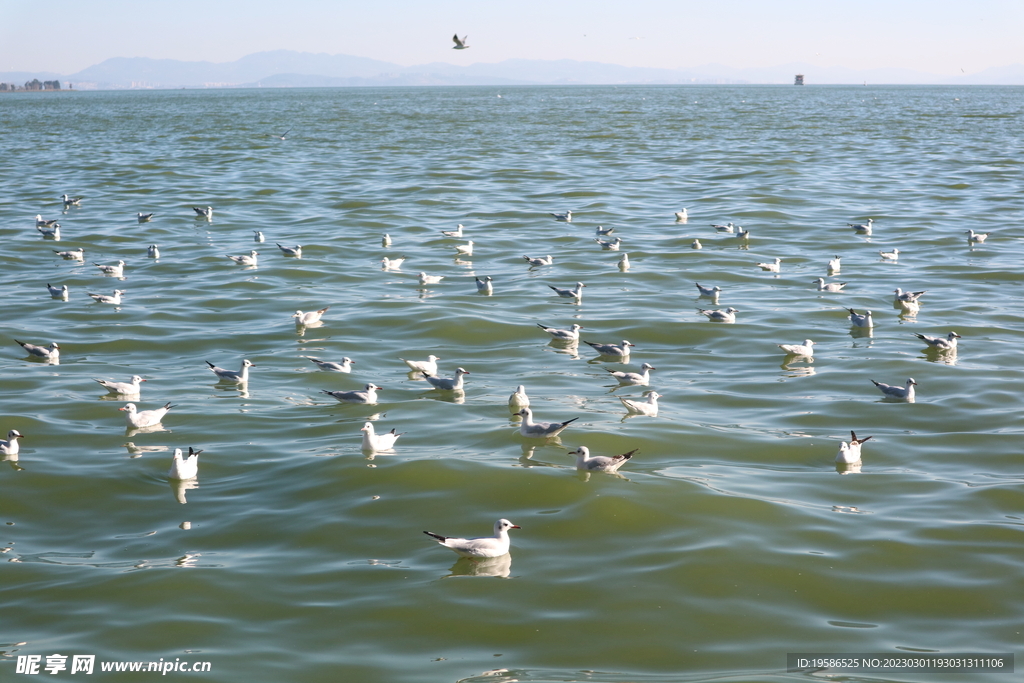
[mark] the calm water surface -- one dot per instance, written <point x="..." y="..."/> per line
<point x="731" y="538"/>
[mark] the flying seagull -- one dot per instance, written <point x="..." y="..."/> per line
<point x="460" y="44"/>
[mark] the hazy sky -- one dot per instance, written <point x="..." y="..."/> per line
<point x="935" y="36"/>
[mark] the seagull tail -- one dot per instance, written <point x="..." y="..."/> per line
<point x="212" y="366"/>
<point x="919" y="336"/>
<point x="168" y="406"/>
<point x="627" y="456"/>
<point x="566" y="423"/>
<point x="877" y="384"/>
<point x="439" y="537"/>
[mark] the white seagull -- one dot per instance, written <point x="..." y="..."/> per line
<point x="116" y="270"/>
<point x="682" y="216"/>
<point x="114" y="299"/>
<point x="489" y="546"/>
<point x="295" y="251"/>
<point x="145" y="418"/>
<point x="947" y="343"/>
<point x="710" y="292"/>
<point x="829" y="287"/>
<point x="58" y="292"/>
<point x="51" y="352"/>
<point x="40" y="221"/>
<point x="805" y="349"/>
<point x="153" y="251"/>
<point x="834" y="265"/>
<point x="541" y="261"/>
<point x="52" y="233"/>
<point x="429" y="279"/>
<point x="206" y="213"/>
<point x="540" y="430"/>
<point x="619" y="350"/>
<point x="184" y="467"/>
<point x="385" y="241"/>
<point x="863" y="228"/>
<point x="71" y="201"/>
<point x="720" y="316"/>
<point x="604" y="232"/>
<point x="457" y="232"/>
<point x="144" y="217"/>
<point x="428" y="366"/>
<point x="648" y="407"/>
<point x="241" y="376"/>
<point x="372" y="441"/>
<point x="893" y="255"/>
<point x="447" y="383"/>
<point x="849" y="453"/>
<point x="485" y="286"/>
<point x="977" y="236"/>
<point x="771" y="267"/>
<point x="639" y="379"/>
<point x="570" y="335"/>
<point x="11" y="446"/>
<point x="609" y="245"/>
<point x="696" y="245"/>
<point x="624" y="262"/>
<point x="518" y="400"/>
<point x="257" y="236"/>
<point x="563" y="217"/>
<point x="461" y="45"/>
<point x="742" y="234"/>
<point x="392" y="263"/>
<point x="904" y="393"/>
<point x="72" y="254"/>
<point x="131" y="388"/>
<point x="907" y="296"/>
<point x="330" y="366"/>
<point x="860" y="319"/>
<point x="367" y="394"/>
<point x="309" y="317"/>
<point x="600" y="463"/>
<point x="729" y="227"/>
<point x="574" y="293"/>
<point x="464" y="249"/>
<point x="244" y="260"/>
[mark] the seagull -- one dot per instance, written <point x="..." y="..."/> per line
<point x="570" y="335"/>
<point x="682" y="216"/>
<point x="367" y="394"/>
<point x="834" y="265"/>
<point x="281" y="136"/>
<point x="257" y="236"/>
<point x="114" y="271"/>
<point x="428" y="366"/>
<point x="58" y="292"/>
<point x="907" y="296"/>
<point x="131" y="388"/>
<point x="114" y="299"/>
<point x="860" y="319"/>
<point x="489" y="546"/>
<point x="604" y="232"/>
<point x="611" y="349"/>
<point x="206" y="213"/>
<point x="372" y="441"/>
<point x="742" y="234"/>
<point x="640" y="379"/>
<point x="71" y="201"/>
<point x="457" y="232"/>
<point x="850" y="453"/>
<point x="939" y="343"/>
<point x="385" y="241"/>
<point x="42" y="222"/>
<point x="903" y="393"/>
<point x="893" y="255"/>
<point x="978" y="237"/>
<point x="429" y="279"/>
<point x="575" y="293"/>
<point x="464" y="249"/>
<point x="295" y="251"/>
<point x="184" y="467"/>
<point x="545" y="261"/>
<point x="771" y="267"/>
<point x="146" y="418"/>
<point x="153" y="251"/>
<point x="696" y="245"/>
<point x="329" y="366"/>
<point x="485" y="286"/>
<point x="310" y="317"/>
<point x="51" y="352"/>
<point x="609" y="245"/>
<point x="624" y="262"/>
<point x="540" y="430"/>
<point x="392" y="263"/>
<point x="447" y="383"/>
<point x="804" y="349"/>
<point x="830" y="287"/>
<point x="144" y="217"/>
<point x="720" y="316"/>
<point x="72" y="255"/>
<point x="562" y="217"/>
<point x="864" y="228"/>
<point x="50" y="232"/>
<point x="11" y="446"/>
<point x="242" y="376"/>
<point x="729" y="227"/>
<point x="461" y="45"/>
<point x="244" y="260"/>
<point x="648" y="407"/>
<point x="518" y="400"/>
<point x="711" y="292"/>
<point x="599" y="463"/>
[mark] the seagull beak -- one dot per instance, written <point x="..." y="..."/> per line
<point x="515" y="526"/>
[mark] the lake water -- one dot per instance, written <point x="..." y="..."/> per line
<point x="730" y="540"/>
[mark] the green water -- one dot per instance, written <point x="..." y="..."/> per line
<point x="729" y="540"/>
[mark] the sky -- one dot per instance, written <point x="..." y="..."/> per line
<point x="944" y="37"/>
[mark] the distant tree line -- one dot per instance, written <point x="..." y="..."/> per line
<point x="34" y="84"/>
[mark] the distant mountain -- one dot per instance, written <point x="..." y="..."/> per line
<point x="287" y="68"/>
